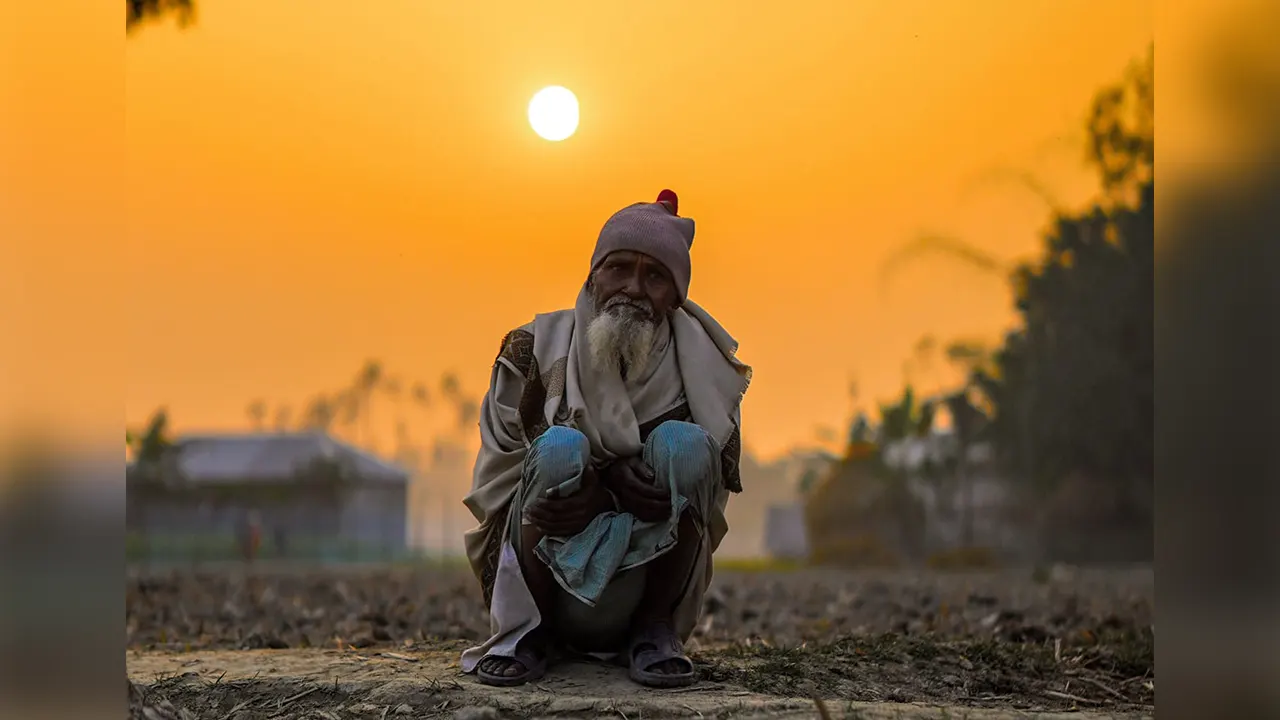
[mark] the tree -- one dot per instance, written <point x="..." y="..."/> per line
<point x="282" y="417"/>
<point x="905" y="418"/>
<point x="1068" y="394"/>
<point x="149" y="475"/>
<point x="257" y="414"/>
<point x="319" y="413"/>
<point x="368" y="380"/>
<point x="140" y="12"/>
<point x="1072" y="384"/>
<point x="1121" y="130"/>
<point x="150" y="446"/>
<point x="860" y="431"/>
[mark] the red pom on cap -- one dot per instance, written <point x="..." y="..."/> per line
<point x="668" y="198"/>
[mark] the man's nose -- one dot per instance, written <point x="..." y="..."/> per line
<point x="634" y="288"/>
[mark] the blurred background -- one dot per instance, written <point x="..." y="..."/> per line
<point x="930" y="226"/>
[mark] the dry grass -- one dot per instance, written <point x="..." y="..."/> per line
<point x="999" y="639"/>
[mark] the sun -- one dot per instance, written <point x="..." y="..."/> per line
<point x="553" y="113"/>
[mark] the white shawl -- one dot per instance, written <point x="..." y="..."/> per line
<point x="697" y="363"/>
<point x="600" y="405"/>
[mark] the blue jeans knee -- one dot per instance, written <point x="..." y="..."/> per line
<point x="556" y="456"/>
<point x="687" y="452"/>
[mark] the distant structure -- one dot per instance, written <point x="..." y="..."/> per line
<point x="913" y="454"/>
<point x="806" y="467"/>
<point x="777" y="484"/>
<point x="312" y="496"/>
<point x="981" y="495"/>
<point x="785" y="535"/>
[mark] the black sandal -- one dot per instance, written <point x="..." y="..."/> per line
<point x="656" y="644"/>
<point x="535" y="666"/>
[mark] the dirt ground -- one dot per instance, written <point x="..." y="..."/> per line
<point x="362" y="642"/>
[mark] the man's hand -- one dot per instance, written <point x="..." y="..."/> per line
<point x="568" y="516"/>
<point x="633" y="483"/>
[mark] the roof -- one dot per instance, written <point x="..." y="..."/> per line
<point x="264" y="457"/>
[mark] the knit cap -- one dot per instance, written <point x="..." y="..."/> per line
<point x="655" y="229"/>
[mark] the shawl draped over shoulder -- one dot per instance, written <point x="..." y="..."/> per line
<point x="543" y="376"/>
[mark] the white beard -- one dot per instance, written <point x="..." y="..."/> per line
<point x="621" y="340"/>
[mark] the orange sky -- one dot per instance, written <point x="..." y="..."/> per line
<point x="313" y="182"/>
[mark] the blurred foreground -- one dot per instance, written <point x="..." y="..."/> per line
<point x="1055" y="640"/>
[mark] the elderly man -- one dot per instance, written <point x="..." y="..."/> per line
<point x="609" y="444"/>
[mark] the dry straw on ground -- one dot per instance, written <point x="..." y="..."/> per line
<point x="1003" y="641"/>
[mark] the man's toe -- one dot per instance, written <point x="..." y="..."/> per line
<point x="502" y="666"/>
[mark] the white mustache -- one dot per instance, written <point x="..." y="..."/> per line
<point x="643" y="306"/>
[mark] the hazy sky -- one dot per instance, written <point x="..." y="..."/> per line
<point x="313" y="182"/>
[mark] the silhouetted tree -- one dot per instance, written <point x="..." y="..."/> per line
<point x="257" y="414"/>
<point x="150" y="474"/>
<point x="860" y="431"/>
<point x="421" y="396"/>
<point x="319" y="413"/>
<point x="1069" y="391"/>
<point x="1072" y="385"/>
<point x="283" y="414"/>
<point x="150" y="446"/>
<point x="368" y="381"/>
<point x="139" y="12"/>
<point x="1121" y="129"/>
<point x="904" y="418"/>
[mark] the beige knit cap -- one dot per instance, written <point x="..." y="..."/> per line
<point x="654" y="229"/>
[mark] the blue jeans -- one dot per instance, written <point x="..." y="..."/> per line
<point x="681" y="454"/>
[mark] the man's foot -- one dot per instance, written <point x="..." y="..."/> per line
<point x="657" y="657"/>
<point x="529" y="664"/>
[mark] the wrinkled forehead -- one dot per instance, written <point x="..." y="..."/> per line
<point x="631" y="258"/>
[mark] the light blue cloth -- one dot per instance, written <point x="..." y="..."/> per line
<point x="683" y="457"/>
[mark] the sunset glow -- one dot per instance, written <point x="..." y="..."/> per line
<point x="311" y="184"/>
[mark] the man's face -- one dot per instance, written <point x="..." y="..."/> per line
<point x="632" y="293"/>
<point x="636" y="277"/>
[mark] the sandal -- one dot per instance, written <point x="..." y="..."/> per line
<point x="535" y="666"/>
<point x="651" y="646"/>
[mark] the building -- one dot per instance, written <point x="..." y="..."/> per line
<point x="779" y="483"/>
<point x="311" y="495"/>
<point x="979" y="498"/>
<point x="785" y="533"/>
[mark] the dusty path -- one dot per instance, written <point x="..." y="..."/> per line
<point x="422" y="683"/>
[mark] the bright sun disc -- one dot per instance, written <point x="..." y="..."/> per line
<point x="553" y="113"/>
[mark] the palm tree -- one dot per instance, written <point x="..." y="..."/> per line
<point x="319" y="414"/>
<point x="394" y="388"/>
<point x="368" y="380"/>
<point x="283" y="414"/>
<point x="346" y="408"/>
<point x="466" y="409"/>
<point x="421" y="396"/>
<point x="257" y="412"/>
<point x="450" y="386"/>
